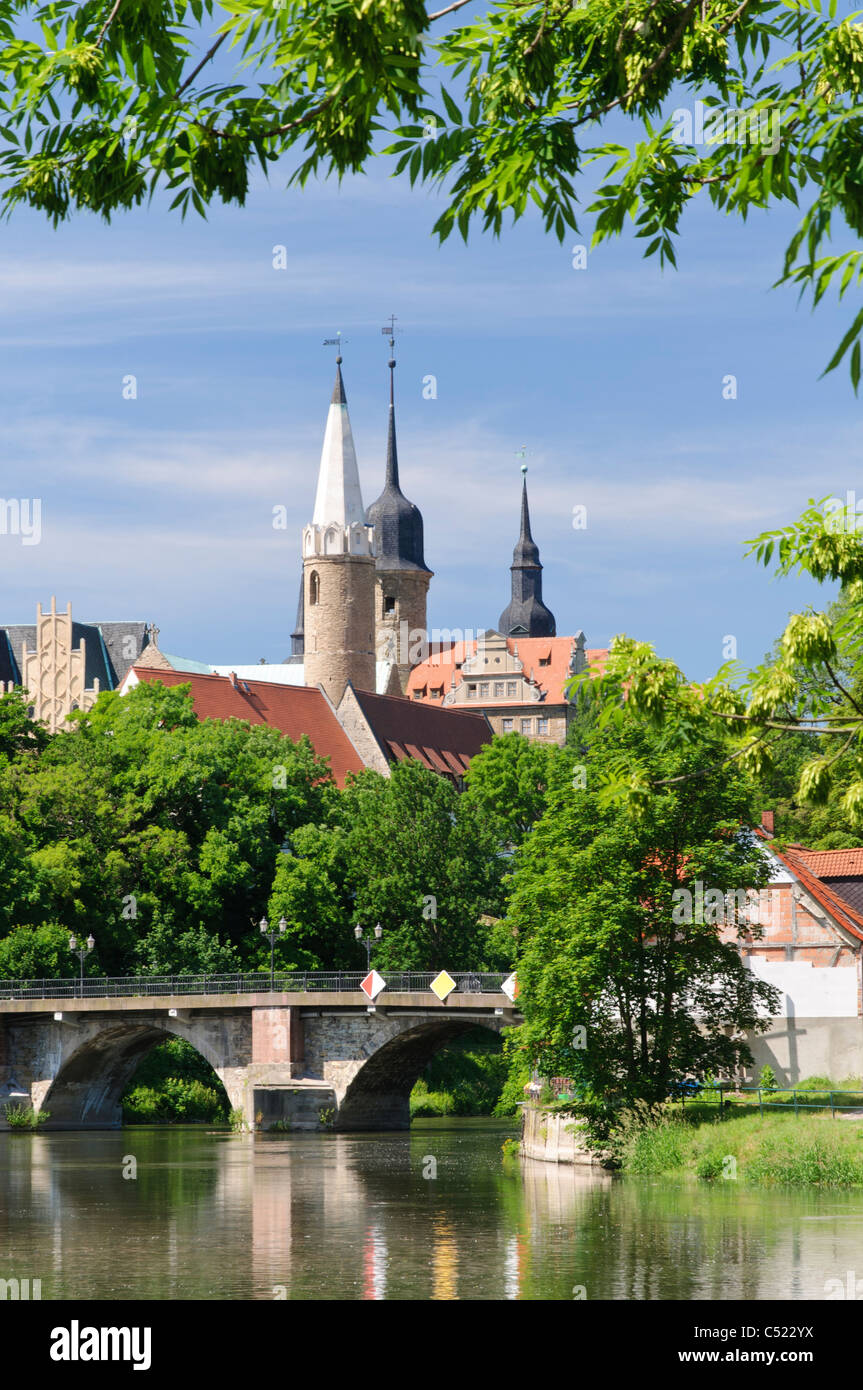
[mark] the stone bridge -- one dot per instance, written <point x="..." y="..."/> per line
<point x="302" y="1060"/>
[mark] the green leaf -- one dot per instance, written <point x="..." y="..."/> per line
<point x="452" y="110"/>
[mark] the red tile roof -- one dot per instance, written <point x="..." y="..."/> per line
<point x="293" y="709"/>
<point x="442" y="739"/>
<point x="794" y="860"/>
<point x="440" y="668"/>
<point x="832" y="863"/>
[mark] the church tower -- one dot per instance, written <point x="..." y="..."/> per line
<point x="526" y="615"/>
<point x="401" y="577"/>
<point x="338" y="566"/>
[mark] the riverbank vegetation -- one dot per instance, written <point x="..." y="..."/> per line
<point x="175" y="1085"/>
<point x="773" y="1150"/>
<point x="465" y="1078"/>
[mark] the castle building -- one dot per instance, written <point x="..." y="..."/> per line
<point x="518" y="674"/>
<point x="63" y="665"/>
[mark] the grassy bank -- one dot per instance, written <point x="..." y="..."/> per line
<point x="776" y="1149"/>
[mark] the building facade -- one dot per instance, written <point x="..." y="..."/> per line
<point x="64" y="665"/>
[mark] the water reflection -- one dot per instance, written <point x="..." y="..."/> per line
<point x="360" y="1217"/>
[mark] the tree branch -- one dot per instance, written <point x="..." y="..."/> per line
<point x="449" y="9"/>
<point x="108" y="22"/>
<point x="206" y="58"/>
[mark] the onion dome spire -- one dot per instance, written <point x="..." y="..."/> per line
<point x="526" y="615"/>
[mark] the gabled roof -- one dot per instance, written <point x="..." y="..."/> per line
<point x="294" y="710"/>
<point x="440" y="669"/>
<point x="795" y="858"/>
<point x="443" y="739"/>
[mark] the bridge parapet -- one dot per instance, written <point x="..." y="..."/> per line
<point x="75" y="1056"/>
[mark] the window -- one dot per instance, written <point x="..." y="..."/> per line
<point x="483" y="689"/>
<point x="545" y="661"/>
<point x="389" y="605"/>
<point x="436" y="691"/>
<point x="506" y="725"/>
<point x="512" y="688"/>
<point x="419" y="693"/>
<point x="542" y="726"/>
<point x="314" y="587"/>
<point x="471" y="692"/>
<point x="525" y="726"/>
<point x="498" y="690"/>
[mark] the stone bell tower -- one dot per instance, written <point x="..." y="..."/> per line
<point x="339" y="566"/>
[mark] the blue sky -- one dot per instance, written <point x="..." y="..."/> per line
<point x="160" y="508"/>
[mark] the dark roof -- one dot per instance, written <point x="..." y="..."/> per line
<point x="8" y="665"/>
<point x="298" y="636"/>
<point x="443" y="739"/>
<point x="526" y="615"/>
<point x="110" y="649"/>
<point x="398" y="523"/>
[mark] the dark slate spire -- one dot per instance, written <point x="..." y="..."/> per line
<point x="526" y="615"/>
<point x="298" y="636"/>
<point x="397" y="522"/>
<point x="339" y="397"/>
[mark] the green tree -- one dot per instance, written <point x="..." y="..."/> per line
<point x="106" y="102"/>
<point x="407" y="851"/>
<point x="610" y="942"/>
<point x="158" y="832"/>
<point x="507" y="782"/>
<point x="810" y="688"/>
<point x="37" y="953"/>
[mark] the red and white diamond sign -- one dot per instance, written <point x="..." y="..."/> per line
<point x="510" y="987"/>
<point x="372" y="985"/>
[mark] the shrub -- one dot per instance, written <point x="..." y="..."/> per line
<point x="25" y="1117"/>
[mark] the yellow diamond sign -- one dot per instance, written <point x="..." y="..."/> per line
<point x="442" y="985"/>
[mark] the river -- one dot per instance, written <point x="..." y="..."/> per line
<point x="436" y="1213"/>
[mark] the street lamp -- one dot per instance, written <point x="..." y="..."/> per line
<point x="272" y="937"/>
<point x="81" y="952"/>
<point x="367" y="941"/>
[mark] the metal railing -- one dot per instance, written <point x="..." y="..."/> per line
<point x="285" y="982"/>
<point x="731" y="1098"/>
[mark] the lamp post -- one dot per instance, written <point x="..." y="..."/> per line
<point x="272" y="937"/>
<point x="81" y="952"/>
<point x="366" y="939"/>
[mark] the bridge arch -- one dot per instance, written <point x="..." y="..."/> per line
<point x="378" y="1096"/>
<point x="90" y="1081"/>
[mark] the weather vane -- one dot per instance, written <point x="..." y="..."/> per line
<point x="336" y="342"/>
<point x="522" y="454"/>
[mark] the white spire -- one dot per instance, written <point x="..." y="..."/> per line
<point x="339" y="520"/>
<point x="338" y="498"/>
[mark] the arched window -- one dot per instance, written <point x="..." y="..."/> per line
<point x="314" y="587"/>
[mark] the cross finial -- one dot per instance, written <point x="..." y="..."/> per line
<point x="390" y="330"/>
